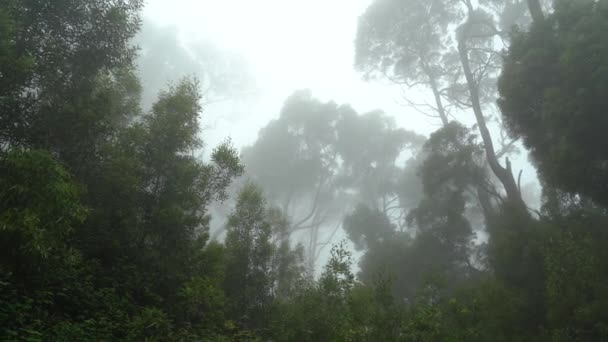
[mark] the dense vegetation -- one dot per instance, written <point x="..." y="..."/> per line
<point x="105" y="204"/>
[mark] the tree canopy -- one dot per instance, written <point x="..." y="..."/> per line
<point x="560" y="116"/>
<point x="106" y="194"/>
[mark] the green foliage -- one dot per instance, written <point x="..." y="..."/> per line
<point x="441" y="245"/>
<point x="318" y="159"/>
<point x="248" y="280"/>
<point x="575" y="267"/>
<point x="481" y="312"/>
<point x="296" y="156"/>
<point x="14" y="67"/>
<point x="403" y="39"/>
<point x="552" y="95"/>
<point x="55" y="53"/>
<point x="39" y="205"/>
<point x="120" y="268"/>
<point x="326" y="310"/>
<point x="104" y="208"/>
<point x="203" y="302"/>
<point x="150" y="324"/>
<point x="367" y="228"/>
<point x="163" y="57"/>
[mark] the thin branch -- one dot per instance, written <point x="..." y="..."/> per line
<point x="416" y="106"/>
<point x="505" y="149"/>
<point x="314" y="206"/>
<point x="322" y="245"/>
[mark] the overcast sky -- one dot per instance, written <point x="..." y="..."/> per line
<point x="290" y="45"/>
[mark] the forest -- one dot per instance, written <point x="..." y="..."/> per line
<point x="118" y="221"/>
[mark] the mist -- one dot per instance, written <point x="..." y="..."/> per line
<point x="267" y="65"/>
<point x="367" y="170"/>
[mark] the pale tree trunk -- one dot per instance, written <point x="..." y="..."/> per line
<point x="482" y="194"/>
<point x="440" y="108"/>
<point x="504" y="174"/>
<point x="536" y="10"/>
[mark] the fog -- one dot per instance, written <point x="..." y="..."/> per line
<point x="282" y="47"/>
<point x="287" y="170"/>
<point x="289" y="45"/>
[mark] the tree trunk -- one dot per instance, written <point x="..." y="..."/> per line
<point x="536" y="10"/>
<point x="503" y="174"/>
<point x="440" y="109"/>
<point x="485" y="202"/>
<point x="483" y="197"/>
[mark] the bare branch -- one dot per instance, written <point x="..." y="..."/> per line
<point x="505" y="149"/>
<point x="315" y="204"/>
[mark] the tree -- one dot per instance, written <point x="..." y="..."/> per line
<point x="479" y="28"/>
<point x="551" y="95"/>
<point x="288" y="267"/>
<point x="104" y="223"/>
<point x="438" y="239"/>
<point x="449" y="174"/>
<point x="40" y="204"/>
<point x="152" y="195"/>
<point x="55" y="55"/>
<point x="46" y="286"/>
<point x="574" y="267"/>
<point x="369" y="146"/>
<point x="249" y="251"/>
<point x="409" y="42"/>
<point x="319" y="158"/>
<point x="164" y="57"/>
<point x="405" y="41"/>
<point x="294" y="161"/>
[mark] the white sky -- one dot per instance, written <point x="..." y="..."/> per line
<point x="290" y="45"/>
